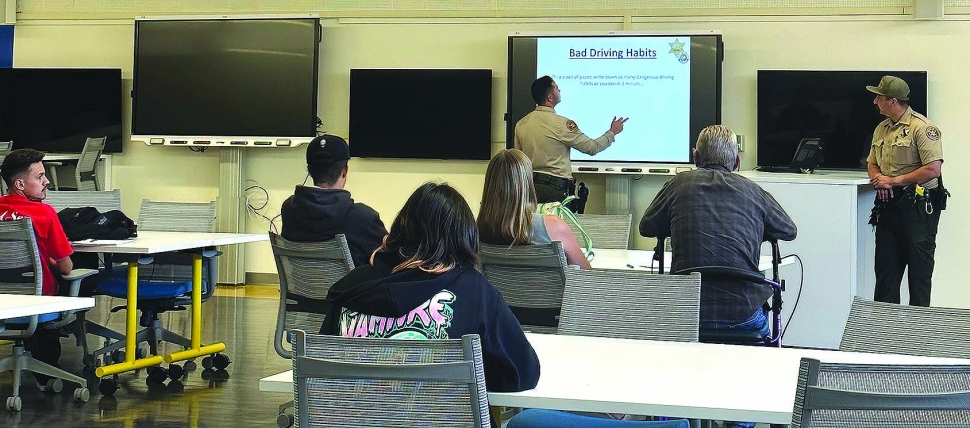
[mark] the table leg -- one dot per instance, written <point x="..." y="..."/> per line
<point x="131" y="327"/>
<point x="197" y="349"/>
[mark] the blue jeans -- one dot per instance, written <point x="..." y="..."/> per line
<point x="758" y="321"/>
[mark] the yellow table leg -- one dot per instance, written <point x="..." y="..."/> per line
<point x="131" y="327"/>
<point x="197" y="349"/>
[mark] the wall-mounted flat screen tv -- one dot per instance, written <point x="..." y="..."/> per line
<point x="246" y="77"/>
<point x="667" y="84"/>
<point x="421" y="113"/>
<point x="832" y="105"/>
<point x="56" y="109"/>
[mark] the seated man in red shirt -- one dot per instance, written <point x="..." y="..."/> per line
<point x="23" y="172"/>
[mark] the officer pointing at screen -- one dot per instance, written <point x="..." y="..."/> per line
<point x="546" y="138"/>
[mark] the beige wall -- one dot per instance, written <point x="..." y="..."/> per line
<point x="876" y="42"/>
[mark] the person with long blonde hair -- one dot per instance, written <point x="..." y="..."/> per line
<point x="507" y="214"/>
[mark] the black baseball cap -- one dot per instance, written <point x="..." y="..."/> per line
<point x="327" y="149"/>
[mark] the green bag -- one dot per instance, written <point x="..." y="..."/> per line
<point x="559" y="209"/>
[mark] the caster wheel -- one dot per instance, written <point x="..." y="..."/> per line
<point x="175" y="371"/>
<point x="207" y="363"/>
<point x="156" y="375"/>
<point x="176" y="387"/>
<point x="14" y="404"/>
<point x="118" y="356"/>
<point x="107" y="387"/>
<point x="141" y="352"/>
<point x="190" y="366"/>
<point x="88" y="360"/>
<point x="284" y="421"/>
<point x="207" y="374"/>
<point x="54" y="385"/>
<point x="82" y="395"/>
<point x="220" y="361"/>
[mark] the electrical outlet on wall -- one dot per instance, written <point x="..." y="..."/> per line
<point x="739" y="139"/>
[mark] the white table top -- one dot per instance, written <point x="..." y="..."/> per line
<point x="15" y="305"/>
<point x="643" y="260"/>
<point x="688" y="380"/>
<point x="152" y="242"/>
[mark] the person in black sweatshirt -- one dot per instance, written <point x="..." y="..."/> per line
<point x="424" y="283"/>
<point x="317" y="213"/>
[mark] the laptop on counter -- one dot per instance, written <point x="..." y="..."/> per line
<point x="807" y="156"/>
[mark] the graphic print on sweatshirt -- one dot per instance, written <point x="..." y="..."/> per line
<point x="430" y="320"/>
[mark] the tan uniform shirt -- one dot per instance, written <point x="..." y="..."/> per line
<point x="903" y="147"/>
<point x="546" y="138"/>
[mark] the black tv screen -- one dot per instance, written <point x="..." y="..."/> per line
<point x="832" y="105"/>
<point x="668" y="85"/>
<point x="225" y="77"/>
<point x="421" y="113"/>
<point x="56" y="109"/>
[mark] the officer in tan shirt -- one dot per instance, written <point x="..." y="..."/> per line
<point x="546" y="138"/>
<point x="904" y="168"/>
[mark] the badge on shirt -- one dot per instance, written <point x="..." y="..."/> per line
<point x="572" y="126"/>
<point x="932" y="132"/>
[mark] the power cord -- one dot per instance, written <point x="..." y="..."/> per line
<point x="801" y="283"/>
<point x="257" y="199"/>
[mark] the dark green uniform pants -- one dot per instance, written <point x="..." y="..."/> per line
<point x="905" y="237"/>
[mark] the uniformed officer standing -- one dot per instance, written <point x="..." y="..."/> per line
<point x="546" y="138"/>
<point x="904" y="168"/>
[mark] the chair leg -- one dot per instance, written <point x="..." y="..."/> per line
<point x="52" y="172"/>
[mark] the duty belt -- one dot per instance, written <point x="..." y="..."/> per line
<point x="558" y="182"/>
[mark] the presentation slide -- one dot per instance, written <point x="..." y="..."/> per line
<point x="646" y="79"/>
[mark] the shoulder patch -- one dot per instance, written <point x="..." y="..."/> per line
<point x="572" y="126"/>
<point x="933" y="133"/>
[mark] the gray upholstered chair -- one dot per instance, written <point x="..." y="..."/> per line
<point x="21" y="273"/>
<point x="608" y="231"/>
<point x="84" y="173"/>
<point x="357" y="382"/>
<point x="306" y="271"/>
<point x="102" y="200"/>
<point x="531" y="278"/>
<point x="883" y="396"/>
<point x="652" y="307"/>
<point x="166" y="283"/>
<point x="84" y="170"/>
<point x="887" y="328"/>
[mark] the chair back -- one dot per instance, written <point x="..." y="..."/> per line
<point x="5" y="148"/>
<point x="608" y="231"/>
<point x="177" y="216"/>
<point x="652" y="307"/>
<point x="101" y="200"/>
<point x="357" y="382"/>
<point x="20" y="269"/>
<point x="531" y="279"/>
<point x="886" y="328"/>
<point x="306" y="271"/>
<point x="86" y="164"/>
<point x="871" y="395"/>
<point x="163" y="216"/>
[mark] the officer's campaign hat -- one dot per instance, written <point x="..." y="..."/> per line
<point x="327" y="149"/>
<point x="892" y="87"/>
